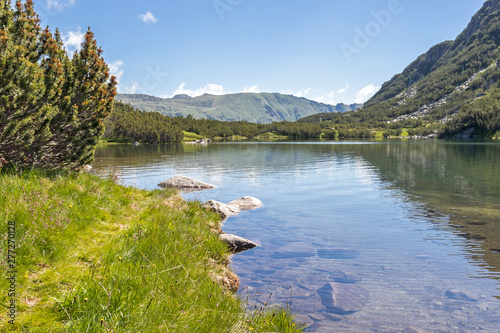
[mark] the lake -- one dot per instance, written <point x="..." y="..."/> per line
<point x="353" y="236"/>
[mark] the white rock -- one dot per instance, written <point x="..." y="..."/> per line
<point x="246" y="203"/>
<point x="222" y="209"/>
<point x="184" y="183"/>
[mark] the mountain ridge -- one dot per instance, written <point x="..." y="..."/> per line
<point x="252" y="107"/>
<point x="450" y="65"/>
<point x="455" y="83"/>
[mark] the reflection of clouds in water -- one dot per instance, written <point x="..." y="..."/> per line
<point x="252" y="175"/>
<point x="365" y="171"/>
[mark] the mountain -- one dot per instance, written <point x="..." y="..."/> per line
<point x="454" y="82"/>
<point x="251" y="107"/>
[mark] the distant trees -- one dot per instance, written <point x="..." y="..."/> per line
<point x="51" y="107"/>
<point x="482" y="117"/>
<point x="128" y="124"/>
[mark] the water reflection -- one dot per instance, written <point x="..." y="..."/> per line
<point x="458" y="179"/>
<point x="355" y="237"/>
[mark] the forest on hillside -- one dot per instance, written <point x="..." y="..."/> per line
<point x="128" y="124"/>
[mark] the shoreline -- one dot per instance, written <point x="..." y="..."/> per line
<point x="92" y="253"/>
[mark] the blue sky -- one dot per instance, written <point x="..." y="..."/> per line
<point x="325" y="50"/>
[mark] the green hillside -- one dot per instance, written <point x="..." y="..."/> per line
<point x="453" y="83"/>
<point x="251" y="107"/>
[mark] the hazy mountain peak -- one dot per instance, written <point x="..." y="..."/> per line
<point x="252" y="107"/>
<point x="182" y="96"/>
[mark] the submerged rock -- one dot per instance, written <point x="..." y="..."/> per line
<point x="343" y="299"/>
<point x="459" y="296"/>
<point x="294" y="251"/>
<point x="222" y="209"/>
<point x="337" y="253"/>
<point x="345" y="277"/>
<point x="246" y="203"/>
<point x="237" y="244"/>
<point x="413" y="329"/>
<point x="184" y="183"/>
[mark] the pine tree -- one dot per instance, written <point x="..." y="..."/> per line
<point x="51" y="108"/>
<point x="23" y="117"/>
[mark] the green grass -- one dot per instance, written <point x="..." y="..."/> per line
<point x="94" y="256"/>
<point x="379" y="134"/>
<point x="188" y="136"/>
<point x="270" y="135"/>
<point x="232" y="137"/>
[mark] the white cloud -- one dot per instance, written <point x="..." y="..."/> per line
<point x="364" y="94"/>
<point x="212" y="89"/>
<point x="115" y="68"/>
<point x="252" y="89"/>
<point x="328" y="99"/>
<point x="303" y="93"/>
<point x="332" y="96"/>
<point x="148" y="18"/>
<point x="73" y="40"/>
<point x="59" y="5"/>
<point x="343" y="90"/>
<point x="131" y="89"/>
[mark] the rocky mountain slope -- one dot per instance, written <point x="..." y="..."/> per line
<point x="443" y="83"/>
<point x="252" y="107"/>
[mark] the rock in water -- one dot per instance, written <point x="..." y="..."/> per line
<point x="344" y="277"/>
<point x="294" y="251"/>
<point x="459" y="296"/>
<point x="343" y="299"/>
<point x="222" y="209"/>
<point x="184" y="183"/>
<point x="246" y="203"/>
<point x="413" y="329"/>
<point x="327" y="253"/>
<point x="237" y="244"/>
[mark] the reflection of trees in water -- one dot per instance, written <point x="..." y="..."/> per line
<point x="459" y="179"/>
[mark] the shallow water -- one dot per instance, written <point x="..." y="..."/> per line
<point x="413" y="227"/>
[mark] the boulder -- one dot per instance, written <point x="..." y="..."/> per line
<point x="246" y="203"/>
<point x="185" y="184"/>
<point x="222" y="209"/>
<point x="237" y="244"/>
<point x="343" y="299"/>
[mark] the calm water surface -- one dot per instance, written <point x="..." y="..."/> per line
<point x="414" y="226"/>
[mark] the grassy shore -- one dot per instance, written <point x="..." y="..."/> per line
<point x="94" y="256"/>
